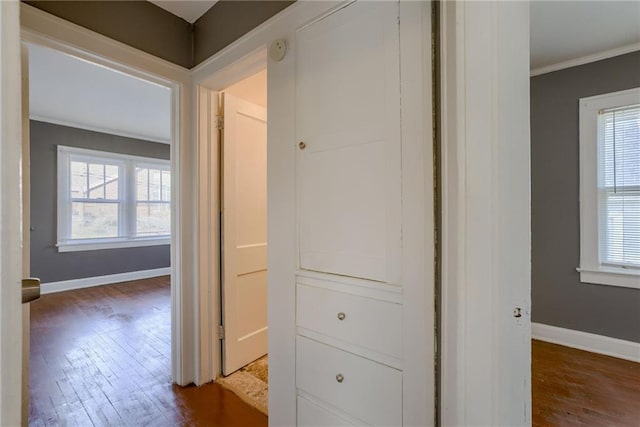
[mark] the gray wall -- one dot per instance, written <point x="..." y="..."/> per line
<point x="150" y="28"/>
<point x="558" y="297"/>
<point x="227" y="21"/>
<point x="46" y="262"/>
<point x="140" y="24"/>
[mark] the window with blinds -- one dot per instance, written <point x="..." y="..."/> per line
<point x="619" y="186"/>
<point x="610" y="189"/>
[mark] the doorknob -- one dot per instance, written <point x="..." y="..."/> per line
<point x="30" y="289"/>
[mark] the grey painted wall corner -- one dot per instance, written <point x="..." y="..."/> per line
<point x="558" y="296"/>
<point x="227" y="21"/>
<point x="147" y="27"/>
<point x="139" y="24"/>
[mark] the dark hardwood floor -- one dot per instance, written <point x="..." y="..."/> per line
<point x="577" y="388"/>
<point x="101" y="356"/>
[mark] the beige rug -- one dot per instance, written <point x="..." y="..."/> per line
<point x="250" y="384"/>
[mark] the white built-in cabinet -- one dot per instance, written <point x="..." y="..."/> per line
<point x="353" y="203"/>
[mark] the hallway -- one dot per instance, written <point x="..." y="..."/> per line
<point x="101" y="356"/>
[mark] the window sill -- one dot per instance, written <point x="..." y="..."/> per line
<point x="93" y="245"/>
<point x="611" y="276"/>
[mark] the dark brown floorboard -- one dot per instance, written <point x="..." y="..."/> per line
<point x="101" y="356"/>
<point x="577" y="388"/>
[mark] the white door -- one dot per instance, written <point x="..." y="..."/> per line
<point x="486" y="238"/>
<point x="10" y="220"/>
<point x="244" y="232"/>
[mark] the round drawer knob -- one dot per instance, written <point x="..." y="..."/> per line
<point x="339" y="378"/>
<point x="302" y="145"/>
<point x="341" y="316"/>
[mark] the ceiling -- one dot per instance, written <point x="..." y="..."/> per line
<point x="188" y="10"/>
<point x="73" y="92"/>
<point x="566" y="30"/>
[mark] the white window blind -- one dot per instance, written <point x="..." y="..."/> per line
<point x="619" y="186"/>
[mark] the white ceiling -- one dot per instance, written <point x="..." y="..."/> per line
<point x="73" y="92"/>
<point x="189" y="10"/>
<point x="566" y="30"/>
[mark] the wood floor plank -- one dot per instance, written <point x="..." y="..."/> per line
<point x="577" y="388"/>
<point x="102" y="356"/>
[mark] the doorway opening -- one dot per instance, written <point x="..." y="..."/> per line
<point x="100" y="182"/>
<point x="233" y="141"/>
<point x="243" y="196"/>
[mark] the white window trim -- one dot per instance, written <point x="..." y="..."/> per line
<point x="591" y="270"/>
<point x="126" y="190"/>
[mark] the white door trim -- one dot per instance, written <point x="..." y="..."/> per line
<point x="26" y="226"/>
<point x="208" y="151"/>
<point x="418" y="215"/>
<point x="47" y="30"/>
<point x="10" y="216"/>
<point x="486" y="375"/>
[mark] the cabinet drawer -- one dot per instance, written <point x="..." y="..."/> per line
<point x="361" y="388"/>
<point x="366" y="322"/>
<point x="310" y="414"/>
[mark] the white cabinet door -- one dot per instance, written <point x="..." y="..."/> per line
<point x="244" y="236"/>
<point x="348" y="127"/>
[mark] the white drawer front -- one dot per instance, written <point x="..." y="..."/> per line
<point x="373" y="324"/>
<point x="311" y="415"/>
<point x="368" y="391"/>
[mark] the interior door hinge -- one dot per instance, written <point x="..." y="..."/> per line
<point x="219" y="122"/>
<point x="220" y="332"/>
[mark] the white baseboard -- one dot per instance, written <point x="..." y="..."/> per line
<point x="600" y="344"/>
<point x="68" y="285"/>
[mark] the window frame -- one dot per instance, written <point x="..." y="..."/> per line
<point x="591" y="269"/>
<point x="127" y="197"/>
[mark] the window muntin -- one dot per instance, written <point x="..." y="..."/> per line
<point x="104" y="201"/>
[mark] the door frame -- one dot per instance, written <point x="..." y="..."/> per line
<point x="209" y="196"/>
<point x="486" y="238"/>
<point x="40" y="28"/>
<point x="239" y="60"/>
<point x="11" y="310"/>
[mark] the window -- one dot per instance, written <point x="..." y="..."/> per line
<point x="610" y="189"/>
<point x="109" y="200"/>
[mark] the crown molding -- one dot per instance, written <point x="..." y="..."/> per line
<point x="586" y="59"/>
